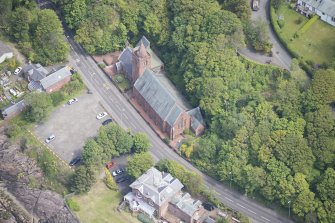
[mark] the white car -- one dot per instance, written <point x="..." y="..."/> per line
<point x="101" y="115"/>
<point x="17" y="70"/>
<point x="117" y="172"/>
<point x="50" y="138"/>
<point x="73" y="100"/>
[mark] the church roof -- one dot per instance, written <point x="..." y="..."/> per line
<point x="157" y="96"/>
<point x="126" y="60"/>
<point x="196" y="118"/>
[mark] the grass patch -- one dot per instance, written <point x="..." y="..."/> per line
<point x="315" y="44"/>
<point x="121" y="82"/>
<point x="99" y="205"/>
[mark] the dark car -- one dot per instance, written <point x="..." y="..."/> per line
<point x="106" y="122"/>
<point x="75" y="161"/>
<point x="208" y="206"/>
<point x="122" y="179"/>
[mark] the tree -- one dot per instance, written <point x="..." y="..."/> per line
<point x="47" y="39"/>
<point x="75" y="12"/>
<point x="93" y="153"/>
<point x="141" y="142"/>
<point x="109" y="181"/>
<point x="83" y="179"/>
<point x="258" y="35"/>
<point x="323" y="87"/>
<point x="39" y="106"/>
<point x="240" y="7"/>
<point x="139" y="163"/>
<point x="326" y="185"/>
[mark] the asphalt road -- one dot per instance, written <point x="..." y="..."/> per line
<point x="280" y="56"/>
<point x="123" y="113"/>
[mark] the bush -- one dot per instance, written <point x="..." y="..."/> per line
<point x="281" y="23"/>
<point x="144" y="218"/>
<point x="57" y="98"/>
<point x="73" y="205"/>
<point x="109" y="181"/>
<point x="307" y="25"/>
<point x="102" y="65"/>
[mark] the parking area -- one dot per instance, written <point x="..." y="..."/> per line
<point x="121" y="163"/>
<point x="72" y="125"/>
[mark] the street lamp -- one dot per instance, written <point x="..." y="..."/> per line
<point x="230" y="176"/>
<point x="289" y="208"/>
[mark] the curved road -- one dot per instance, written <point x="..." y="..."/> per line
<point x="123" y="112"/>
<point x="280" y="56"/>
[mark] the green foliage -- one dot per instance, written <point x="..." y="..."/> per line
<point x="83" y="179"/>
<point x="48" y="163"/>
<point x="240" y="7"/>
<point x="144" y="218"/>
<point x="192" y="181"/>
<point x="93" y="153"/>
<point x="141" y="142"/>
<point x="72" y="204"/>
<point x="39" y="106"/>
<point x="139" y="163"/>
<point x="39" y="33"/>
<point x="109" y="181"/>
<point x="75" y="12"/>
<point x="307" y="25"/>
<point x="258" y="36"/>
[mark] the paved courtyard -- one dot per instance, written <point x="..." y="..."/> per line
<point x="72" y="125"/>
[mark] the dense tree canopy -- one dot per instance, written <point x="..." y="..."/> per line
<point x="39" y="33"/>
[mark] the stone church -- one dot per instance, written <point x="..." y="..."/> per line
<point x="154" y="93"/>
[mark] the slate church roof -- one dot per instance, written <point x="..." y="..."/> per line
<point x="157" y="96"/>
<point x="196" y="118"/>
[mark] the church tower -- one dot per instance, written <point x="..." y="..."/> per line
<point x="141" y="60"/>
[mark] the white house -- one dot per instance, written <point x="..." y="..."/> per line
<point x="323" y="8"/>
<point x="5" y="52"/>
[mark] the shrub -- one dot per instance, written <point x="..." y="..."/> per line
<point x="308" y="24"/>
<point x="281" y="23"/>
<point x="57" y="98"/>
<point x="102" y="65"/>
<point x="144" y="218"/>
<point x="109" y="181"/>
<point x="73" y="205"/>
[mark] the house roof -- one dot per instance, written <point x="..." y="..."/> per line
<point x="157" y="96"/>
<point x="55" y="77"/>
<point x="4" y="48"/>
<point x="12" y="109"/>
<point x="36" y="72"/>
<point x="196" y="118"/>
<point x="157" y="186"/>
<point x="186" y="203"/>
<point x="326" y="6"/>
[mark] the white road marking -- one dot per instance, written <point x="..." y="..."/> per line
<point x="229" y="199"/>
<point x="251" y="211"/>
<point x="241" y="206"/>
<point x="265" y="218"/>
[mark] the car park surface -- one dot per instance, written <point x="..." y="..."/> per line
<point x="72" y="125"/>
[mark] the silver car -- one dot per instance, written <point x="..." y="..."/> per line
<point x="50" y="138"/>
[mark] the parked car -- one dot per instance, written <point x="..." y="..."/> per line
<point x="71" y="101"/>
<point x="17" y="70"/>
<point x="75" y="161"/>
<point x="255" y="5"/>
<point x="109" y="165"/>
<point x="106" y="122"/>
<point x="122" y="179"/>
<point x="50" y="138"/>
<point x="118" y="172"/>
<point x="208" y="206"/>
<point x="101" y="115"/>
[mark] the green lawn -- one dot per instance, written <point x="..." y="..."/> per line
<point x="99" y="205"/>
<point x="316" y="44"/>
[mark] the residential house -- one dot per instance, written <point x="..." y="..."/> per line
<point x="13" y="110"/>
<point x="157" y="194"/>
<point x="155" y="94"/>
<point x="323" y="8"/>
<point x="41" y="80"/>
<point x="5" y="52"/>
<point x="34" y="74"/>
<point x="56" y="80"/>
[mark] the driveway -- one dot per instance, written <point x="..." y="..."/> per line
<point x="72" y="125"/>
<point x="280" y="56"/>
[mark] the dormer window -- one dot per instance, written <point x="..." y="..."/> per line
<point x="138" y="194"/>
